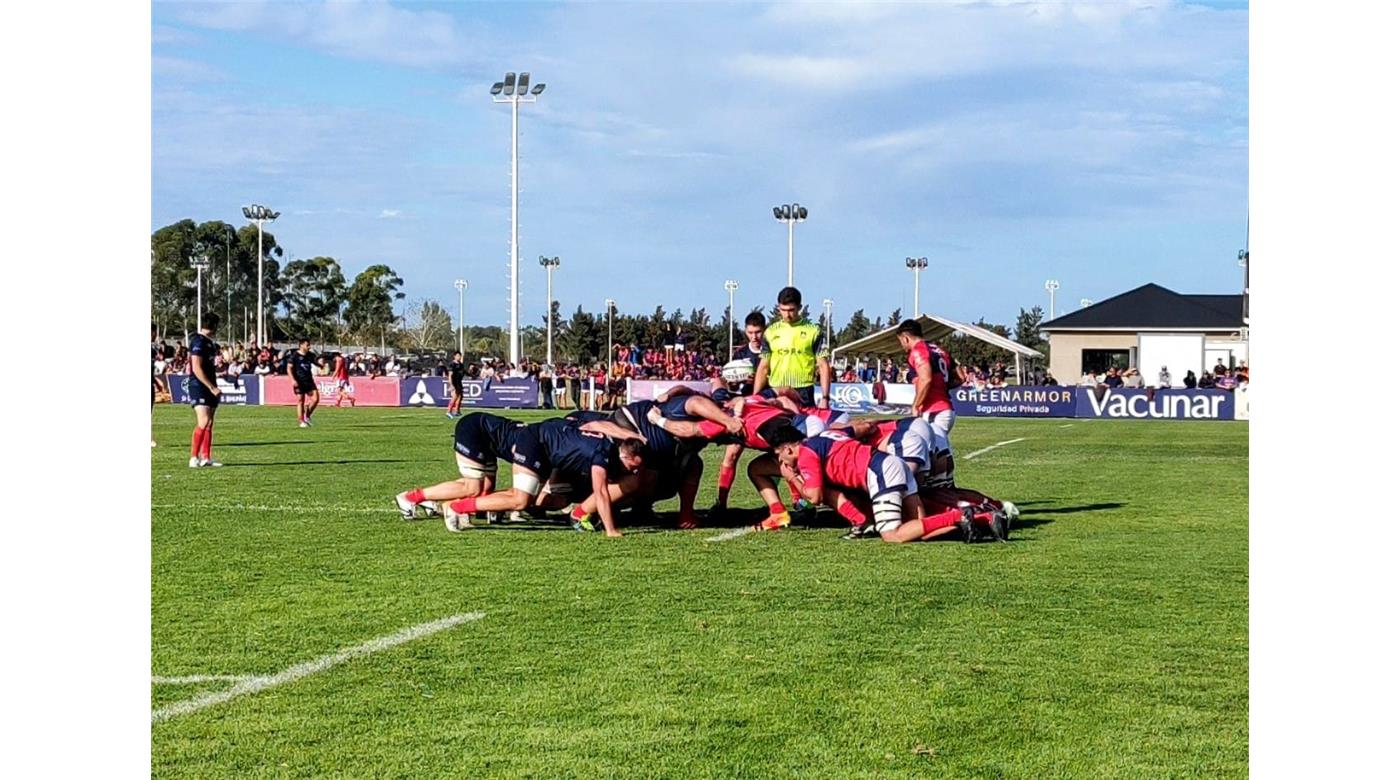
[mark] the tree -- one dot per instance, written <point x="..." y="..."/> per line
<point x="857" y="328"/>
<point x="370" y="302"/>
<point x="896" y="316"/>
<point x="313" y="294"/>
<point x="580" y="338"/>
<point x="1028" y="329"/>
<point x="971" y="351"/>
<point x="428" y="326"/>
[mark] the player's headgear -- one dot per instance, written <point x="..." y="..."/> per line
<point x="912" y="327"/>
<point x="737" y="371"/>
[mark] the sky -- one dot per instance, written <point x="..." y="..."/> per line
<point x="1104" y="145"/>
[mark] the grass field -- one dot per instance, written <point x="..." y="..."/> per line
<point x="1109" y="639"/>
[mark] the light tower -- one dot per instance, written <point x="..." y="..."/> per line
<point x="461" y="285"/>
<point x="515" y="92"/>
<point x="791" y="214"/>
<point x="1051" y="285"/>
<point x="260" y="214"/>
<point x="916" y="264"/>
<point x="610" y="304"/>
<point x="549" y="263"/>
<point x="731" y="286"/>
<point x="199" y="260"/>
<point x="827" y="304"/>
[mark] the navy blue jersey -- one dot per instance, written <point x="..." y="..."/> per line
<point x="581" y="416"/>
<point x="302" y="366"/>
<point x="483" y="437"/>
<point x="659" y="441"/>
<point x="571" y="451"/>
<point x="203" y="349"/>
<point x="455" y="372"/>
<point x="747" y="353"/>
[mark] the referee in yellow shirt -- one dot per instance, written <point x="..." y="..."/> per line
<point x="794" y="353"/>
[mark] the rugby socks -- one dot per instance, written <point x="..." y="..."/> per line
<point x="726" y="481"/>
<point x="941" y="520"/>
<point x="464" y="506"/>
<point x="206" y="443"/>
<point x="196" y="439"/>
<point x="776" y="508"/>
<point x="577" y="513"/>
<point x="851" y="512"/>
<point x="415" y="496"/>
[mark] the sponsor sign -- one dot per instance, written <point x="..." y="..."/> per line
<point x="242" y="390"/>
<point x="649" y="389"/>
<point x="1151" y="403"/>
<point x="379" y="391"/>
<point x="1017" y="401"/>
<point x="516" y="393"/>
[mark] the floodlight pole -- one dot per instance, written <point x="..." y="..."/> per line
<point x="549" y="263"/>
<point x="1052" y="285"/>
<point x="791" y="214"/>
<point x="260" y="214"/>
<point x="200" y="261"/>
<point x="228" y="291"/>
<point x="917" y="264"/>
<point x="610" y="303"/>
<point x="507" y="92"/>
<point x="826" y="304"/>
<point x="731" y="286"/>
<point x="461" y="285"/>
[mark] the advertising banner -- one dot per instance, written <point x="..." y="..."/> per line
<point x="380" y="391"/>
<point x="1018" y="401"/>
<point x="241" y="390"/>
<point x="649" y="389"/>
<point x="1151" y="403"/>
<point x="515" y="393"/>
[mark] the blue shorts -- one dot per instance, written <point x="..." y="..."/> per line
<point x="529" y="453"/>
<point x="199" y="394"/>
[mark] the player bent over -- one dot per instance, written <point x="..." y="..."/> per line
<point x="993" y="517"/>
<point x="478" y="440"/>
<point x="556" y="452"/>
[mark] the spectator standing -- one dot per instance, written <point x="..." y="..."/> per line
<point x="1112" y="379"/>
<point x="1164" y="378"/>
<point x="1189" y="381"/>
<point x="1132" y="378"/>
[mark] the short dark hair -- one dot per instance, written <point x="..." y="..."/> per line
<point x="755" y="318"/>
<point x="790" y="296"/>
<point x="632" y="447"/>
<point x="211" y="320"/>
<point x="304" y="340"/>
<point x="912" y="327"/>
<point x="787" y="434"/>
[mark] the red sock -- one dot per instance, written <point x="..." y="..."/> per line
<point x="851" y="512"/>
<point x="577" y="512"/>
<point x="195" y="439"/>
<point x="984" y="518"/>
<point x="415" y="496"/>
<point x="464" y="506"/>
<point x="207" y="443"/>
<point x="941" y="520"/>
<point x="777" y="508"/>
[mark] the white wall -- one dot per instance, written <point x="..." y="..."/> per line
<point x="1179" y="352"/>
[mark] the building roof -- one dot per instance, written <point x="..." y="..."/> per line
<point x="936" y="328"/>
<point x="1154" y="307"/>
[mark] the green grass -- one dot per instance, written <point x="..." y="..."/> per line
<point x="1109" y="639"/>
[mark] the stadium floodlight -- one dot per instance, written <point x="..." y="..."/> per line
<point x="917" y="264"/>
<point x="260" y="214"/>
<point x="513" y="92"/>
<point x="827" y="304"/>
<point x="199" y="261"/>
<point x="790" y="213"/>
<point x="610" y="304"/>
<point x="1051" y="285"/>
<point x="1085" y="303"/>
<point x="731" y="286"/>
<point x="549" y="263"/>
<point x="461" y="285"/>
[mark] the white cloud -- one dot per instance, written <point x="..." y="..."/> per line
<point x="388" y="213"/>
<point x="177" y="69"/>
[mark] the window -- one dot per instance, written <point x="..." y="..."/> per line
<point x="1098" y="361"/>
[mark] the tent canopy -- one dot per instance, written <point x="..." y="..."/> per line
<point x="936" y="329"/>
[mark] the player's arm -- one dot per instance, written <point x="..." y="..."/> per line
<point x="611" y="430"/>
<point x="600" y="493"/>
<point x="923" y="385"/>
<point x="197" y="368"/>
<point x="787" y="402"/>
<point x="807" y="477"/>
<point x="760" y="377"/>
<point x="824" y="371"/>
<point x="700" y="406"/>
<point x="684" y="429"/>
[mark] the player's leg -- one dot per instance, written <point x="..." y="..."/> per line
<point x="763" y="473"/>
<point x="622" y="493"/>
<point x="700" y="406"/>
<point x="525" y="488"/>
<point x="313" y="399"/>
<point x="692" y="469"/>
<point x="472" y="482"/>
<point x="727" y="468"/>
<point x="301" y="404"/>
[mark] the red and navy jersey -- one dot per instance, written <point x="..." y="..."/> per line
<point x="204" y="350"/>
<point x="340" y="370"/>
<point x="572" y="451"/>
<point x="930" y="354"/>
<point x="835" y="458"/>
<point x="758" y="417"/>
<point x="746" y="352"/>
<point x="302" y="367"/>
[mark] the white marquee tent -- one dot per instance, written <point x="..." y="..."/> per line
<point x="936" y="329"/>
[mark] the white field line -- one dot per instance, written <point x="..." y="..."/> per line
<point x="258" y="683"/>
<point x="1071" y="425"/>
<point x="972" y="455"/>
<point x="387" y="508"/>
<point x="733" y="533"/>
<point x="195" y="679"/>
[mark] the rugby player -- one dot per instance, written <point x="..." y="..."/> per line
<point x="455" y="372"/>
<point x="554" y="462"/>
<point x="478" y="440"/>
<point x="300" y="368"/>
<point x="794" y="353"/>
<point x="203" y="391"/>
<point x="340" y="369"/>
<point x="935" y="375"/>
